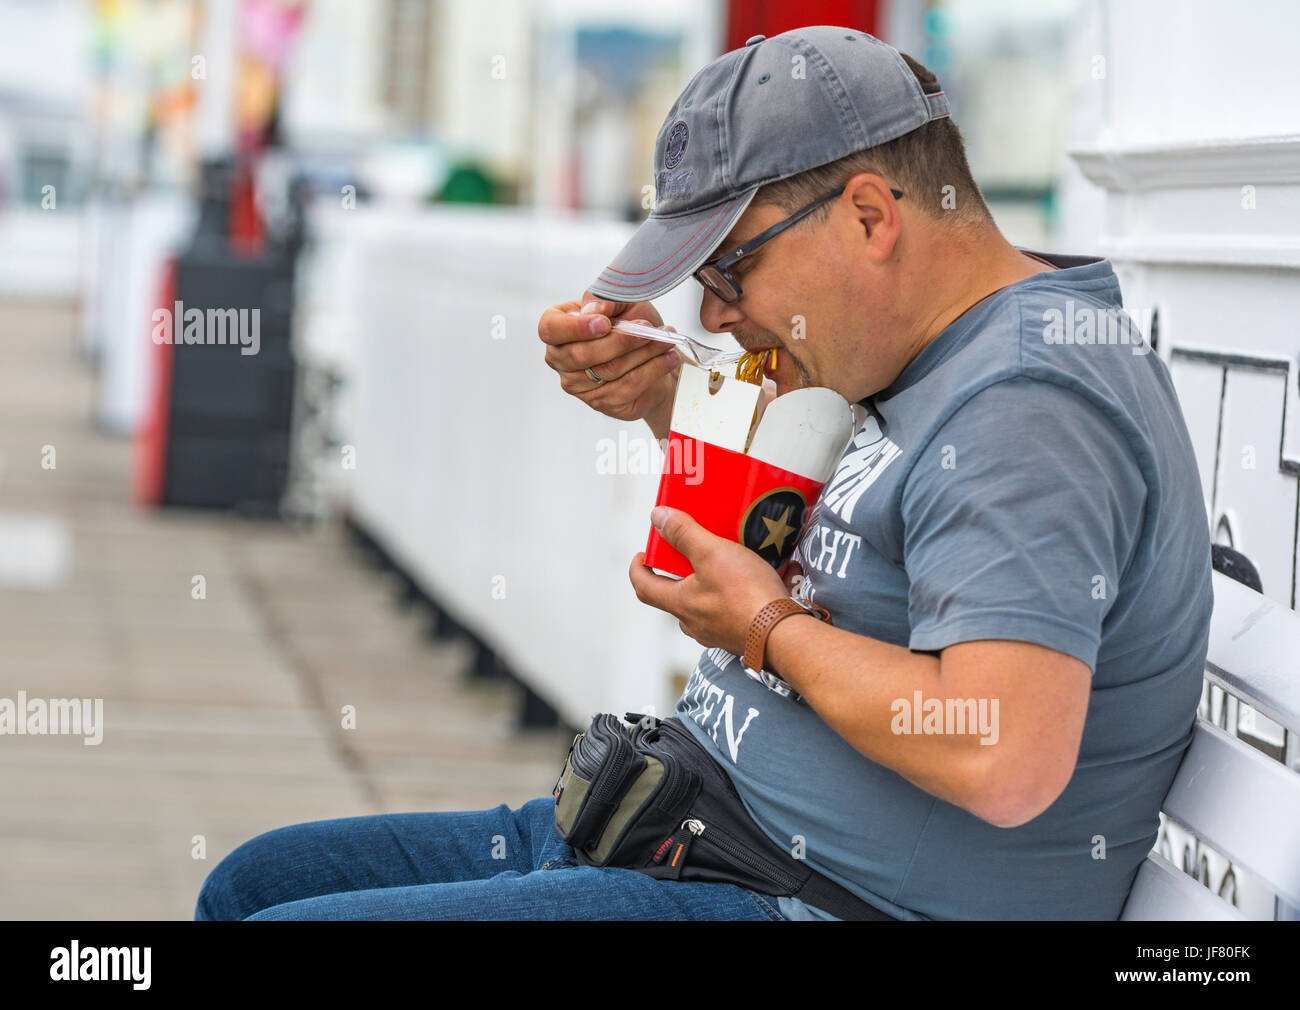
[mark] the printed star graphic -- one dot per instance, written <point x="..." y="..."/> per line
<point x="777" y="531"/>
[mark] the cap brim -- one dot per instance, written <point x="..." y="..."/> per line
<point x="664" y="251"/>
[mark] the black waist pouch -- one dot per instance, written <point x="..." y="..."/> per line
<point x="650" y="798"/>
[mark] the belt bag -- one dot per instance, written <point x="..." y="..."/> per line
<point x="650" y="798"/>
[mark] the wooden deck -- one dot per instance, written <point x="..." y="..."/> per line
<point x="221" y="715"/>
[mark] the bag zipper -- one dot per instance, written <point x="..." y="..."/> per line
<point x="676" y="854"/>
<point x="578" y="758"/>
<point x="719" y="839"/>
<point x="684" y="733"/>
<point x="623" y="756"/>
<point x="677" y="779"/>
<point x="685" y="780"/>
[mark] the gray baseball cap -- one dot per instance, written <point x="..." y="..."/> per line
<point x="767" y="111"/>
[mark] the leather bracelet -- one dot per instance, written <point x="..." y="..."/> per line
<point x="767" y="618"/>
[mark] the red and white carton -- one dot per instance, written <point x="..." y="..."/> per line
<point x="746" y="471"/>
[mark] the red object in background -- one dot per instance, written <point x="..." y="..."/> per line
<point x="746" y="18"/>
<point x="247" y="234"/>
<point x="151" y="437"/>
<point x="723" y="503"/>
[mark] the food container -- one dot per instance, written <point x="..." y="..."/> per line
<point x="746" y="469"/>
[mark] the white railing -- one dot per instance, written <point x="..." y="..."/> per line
<point x="473" y="469"/>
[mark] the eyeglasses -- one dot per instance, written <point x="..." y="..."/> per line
<point x="716" y="276"/>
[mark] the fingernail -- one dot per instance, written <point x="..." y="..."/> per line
<point x="658" y="515"/>
<point x="598" y="326"/>
<point x="589" y="308"/>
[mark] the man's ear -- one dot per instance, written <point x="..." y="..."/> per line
<point x="876" y="214"/>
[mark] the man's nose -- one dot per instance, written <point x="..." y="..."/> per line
<point x="717" y="316"/>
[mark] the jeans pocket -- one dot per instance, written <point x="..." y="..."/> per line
<point x="767" y="905"/>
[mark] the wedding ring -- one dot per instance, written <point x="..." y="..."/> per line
<point x="594" y="377"/>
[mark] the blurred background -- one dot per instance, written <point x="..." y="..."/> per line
<point x="365" y="555"/>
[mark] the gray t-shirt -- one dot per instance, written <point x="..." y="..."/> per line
<point x="1028" y="476"/>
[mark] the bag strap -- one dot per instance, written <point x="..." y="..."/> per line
<point x="817" y="890"/>
<point x="822" y="892"/>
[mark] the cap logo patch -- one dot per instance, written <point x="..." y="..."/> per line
<point x="667" y="184"/>
<point x="676" y="148"/>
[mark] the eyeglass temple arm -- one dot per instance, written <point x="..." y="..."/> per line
<point x="763" y="236"/>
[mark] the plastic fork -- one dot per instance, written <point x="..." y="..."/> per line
<point x="695" y="351"/>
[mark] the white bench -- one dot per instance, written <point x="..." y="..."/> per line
<point x="1238" y="800"/>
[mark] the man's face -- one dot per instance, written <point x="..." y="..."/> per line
<point x="812" y="292"/>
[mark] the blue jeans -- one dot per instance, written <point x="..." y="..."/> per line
<point x="485" y="864"/>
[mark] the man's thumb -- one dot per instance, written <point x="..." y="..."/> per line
<point x="673" y="525"/>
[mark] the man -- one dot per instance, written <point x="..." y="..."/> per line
<point x="1013" y="548"/>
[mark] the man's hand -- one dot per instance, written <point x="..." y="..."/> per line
<point x="717" y="602"/>
<point x="640" y="375"/>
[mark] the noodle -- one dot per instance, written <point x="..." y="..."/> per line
<point x="750" y="367"/>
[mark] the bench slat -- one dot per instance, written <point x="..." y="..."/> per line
<point x="1243" y="803"/>
<point x="1255" y="650"/>
<point x="1162" y="892"/>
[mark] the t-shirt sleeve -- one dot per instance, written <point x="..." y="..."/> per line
<point x="1020" y="515"/>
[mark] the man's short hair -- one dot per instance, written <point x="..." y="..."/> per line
<point x="921" y="163"/>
